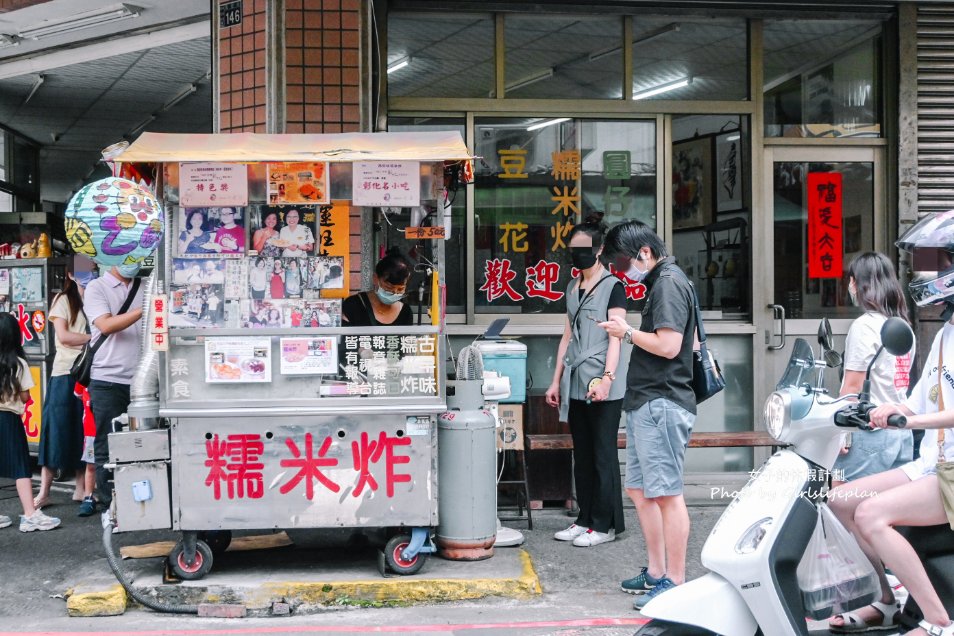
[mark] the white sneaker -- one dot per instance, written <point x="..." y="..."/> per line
<point x="570" y="533"/>
<point x="37" y="521"/>
<point x="592" y="537"/>
<point x="5" y="521"/>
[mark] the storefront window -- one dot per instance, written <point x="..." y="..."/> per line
<point x="824" y="216"/>
<point x="711" y="215"/>
<point x="822" y="78"/>
<point x="455" y="245"/>
<point x="440" y="55"/>
<point x="563" y="57"/>
<point x="690" y="58"/>
<point x="535" y="179"/>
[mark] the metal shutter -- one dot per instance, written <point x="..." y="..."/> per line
<point x="935" y="108"/>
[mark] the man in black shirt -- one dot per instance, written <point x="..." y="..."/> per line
<point x="660" y="405"/>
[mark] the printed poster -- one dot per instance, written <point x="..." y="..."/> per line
<point x="309" y="356"/>
<point x="4" y="282"/>
<point x="27" y="284"/>
<point x="298" y="182"/>
<point x="213" y="184"/>
<point x="386" y="183"/>
<point x="238" y="360"/>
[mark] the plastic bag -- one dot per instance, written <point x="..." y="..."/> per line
<point x="834" y="575"/>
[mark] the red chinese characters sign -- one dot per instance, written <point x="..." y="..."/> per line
<point x="235" y="468"/>
<point x="825" y="234"/>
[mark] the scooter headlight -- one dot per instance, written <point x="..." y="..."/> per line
<point x="752" y="537"/>
<point x="776" y="414"/>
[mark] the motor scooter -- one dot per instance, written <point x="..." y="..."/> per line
<point x="754" y="550"/>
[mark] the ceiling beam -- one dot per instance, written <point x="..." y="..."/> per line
<point x="110" y="48"/>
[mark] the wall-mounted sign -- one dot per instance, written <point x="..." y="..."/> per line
<point x="230" y="14"/>
<point x="825" y="233"/>
<point x="430" y="232"/>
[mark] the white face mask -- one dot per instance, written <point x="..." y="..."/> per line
<point x="634" y="273"/>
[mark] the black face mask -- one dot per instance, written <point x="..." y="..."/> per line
<point x="582" y="257"/>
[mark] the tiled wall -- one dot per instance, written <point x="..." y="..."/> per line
<point x="322" y="77"/>
<point x="323" y="71"/>
<point x="242" y="90"/>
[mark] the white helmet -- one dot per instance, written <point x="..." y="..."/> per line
<point x="930" y="242"/>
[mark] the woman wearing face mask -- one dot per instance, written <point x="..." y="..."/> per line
<point x="383" y="305"/>
<point x="873" y="286"/>
<point x="587" y="391"/>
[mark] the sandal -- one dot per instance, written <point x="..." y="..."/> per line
<point x="936" y="630"/>
<point x="854" y="624"/>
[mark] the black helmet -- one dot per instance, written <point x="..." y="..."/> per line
<point x="930" y="242"/>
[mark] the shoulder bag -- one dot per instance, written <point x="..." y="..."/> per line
<point x="83" y="365"/>
<point x="945" y="469"/>
<point x="707" y="378"/>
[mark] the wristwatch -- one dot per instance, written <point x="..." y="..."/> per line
<point x="610" y="375"/>
<point x="628" y="336"/>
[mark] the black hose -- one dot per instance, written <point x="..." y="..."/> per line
<point x="138" y="596"/>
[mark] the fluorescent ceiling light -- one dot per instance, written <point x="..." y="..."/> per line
<point x="8" y="40"/>
<point x="547" y="122"/>
<point x="645" y="37"/>
<point x="662" y="88"/>
<point x="178" y="98"/>
<point x="396" y="66"/>
<point x="37" y="83"/>
<point x="530" y="79"/>
<point x="734" y="138"/>
<point x="77" y="21"/>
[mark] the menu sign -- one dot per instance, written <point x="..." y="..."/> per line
<point x="233" y="361"/>
<point x="298" y="182"/>
<point x="386" y="183"/>
<point x="309" y="356"/>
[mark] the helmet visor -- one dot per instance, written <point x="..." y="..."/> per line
<point x="929" y="289"/>
<point x="932" y="231"/>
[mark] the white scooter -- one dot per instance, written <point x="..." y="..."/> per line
<point x="753" y="551"/>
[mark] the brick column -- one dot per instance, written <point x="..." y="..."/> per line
<point x="294" y="66"/>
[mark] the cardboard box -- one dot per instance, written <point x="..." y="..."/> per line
<point x="510" y="431"/>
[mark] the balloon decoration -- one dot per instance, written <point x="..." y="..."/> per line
<point x="114" y="221"/>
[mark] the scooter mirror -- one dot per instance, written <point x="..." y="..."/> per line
<point x="896" y="336"/>
<point x="833" y="359"/>
<point x="824" y="335"/>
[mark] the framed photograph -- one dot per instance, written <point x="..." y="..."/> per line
<point x="197" y="305"/>
<point x="287" y="231"/>
<point x="728" y="171"/>
<point x="691" y="183"/>
<point x="210" y="232"/>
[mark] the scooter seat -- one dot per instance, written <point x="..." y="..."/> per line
<point x="930" y="541"/>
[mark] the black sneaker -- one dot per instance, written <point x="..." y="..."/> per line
<point x="87" y="508"/>
<point x="641" y="583"/>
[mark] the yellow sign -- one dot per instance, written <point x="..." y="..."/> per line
<point x="430" y="232"/>
<point x="334" y="236"/>
<point x="34" y="407"/>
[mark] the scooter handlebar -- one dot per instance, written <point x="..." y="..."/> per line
<point x="897" y="420"/>
<point x="857" y="416"/>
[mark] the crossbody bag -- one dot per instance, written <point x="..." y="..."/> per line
<point x="83" y="365"/>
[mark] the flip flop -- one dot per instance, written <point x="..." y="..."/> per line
<point x="854" y="624"/>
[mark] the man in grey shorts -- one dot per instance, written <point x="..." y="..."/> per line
<point x="660" y="405"/>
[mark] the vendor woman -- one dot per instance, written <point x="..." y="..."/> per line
<point x="381" y="306"/>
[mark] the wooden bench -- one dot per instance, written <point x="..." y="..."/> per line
<point x="564" y="441"/>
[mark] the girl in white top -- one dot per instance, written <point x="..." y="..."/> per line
<point x="61" y="438"/>
<point x="873" y="285"/>
<point x="15" y="385"/>
<point x="873" y="506"/>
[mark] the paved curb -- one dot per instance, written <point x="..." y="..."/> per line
<point x="89" y="599"/>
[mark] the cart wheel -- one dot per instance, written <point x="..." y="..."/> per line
<point x="199" y="568"/>
<point x="392" y="555"/>
<point x="218" y="540"/>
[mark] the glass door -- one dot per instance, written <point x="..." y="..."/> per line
<point x="824" y="206"/>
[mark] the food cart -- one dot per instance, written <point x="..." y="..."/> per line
<point x="253" y="408"/>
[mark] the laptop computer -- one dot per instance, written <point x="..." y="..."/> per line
<point x="494" y="330"/>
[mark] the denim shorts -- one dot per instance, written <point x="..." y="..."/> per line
<point x="874" y="452"/>
<point x="657" y="434"/>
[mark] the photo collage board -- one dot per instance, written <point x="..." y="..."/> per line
<point x="253" y="266"/>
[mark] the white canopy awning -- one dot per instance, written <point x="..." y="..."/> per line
<point x="251" y="147"/>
